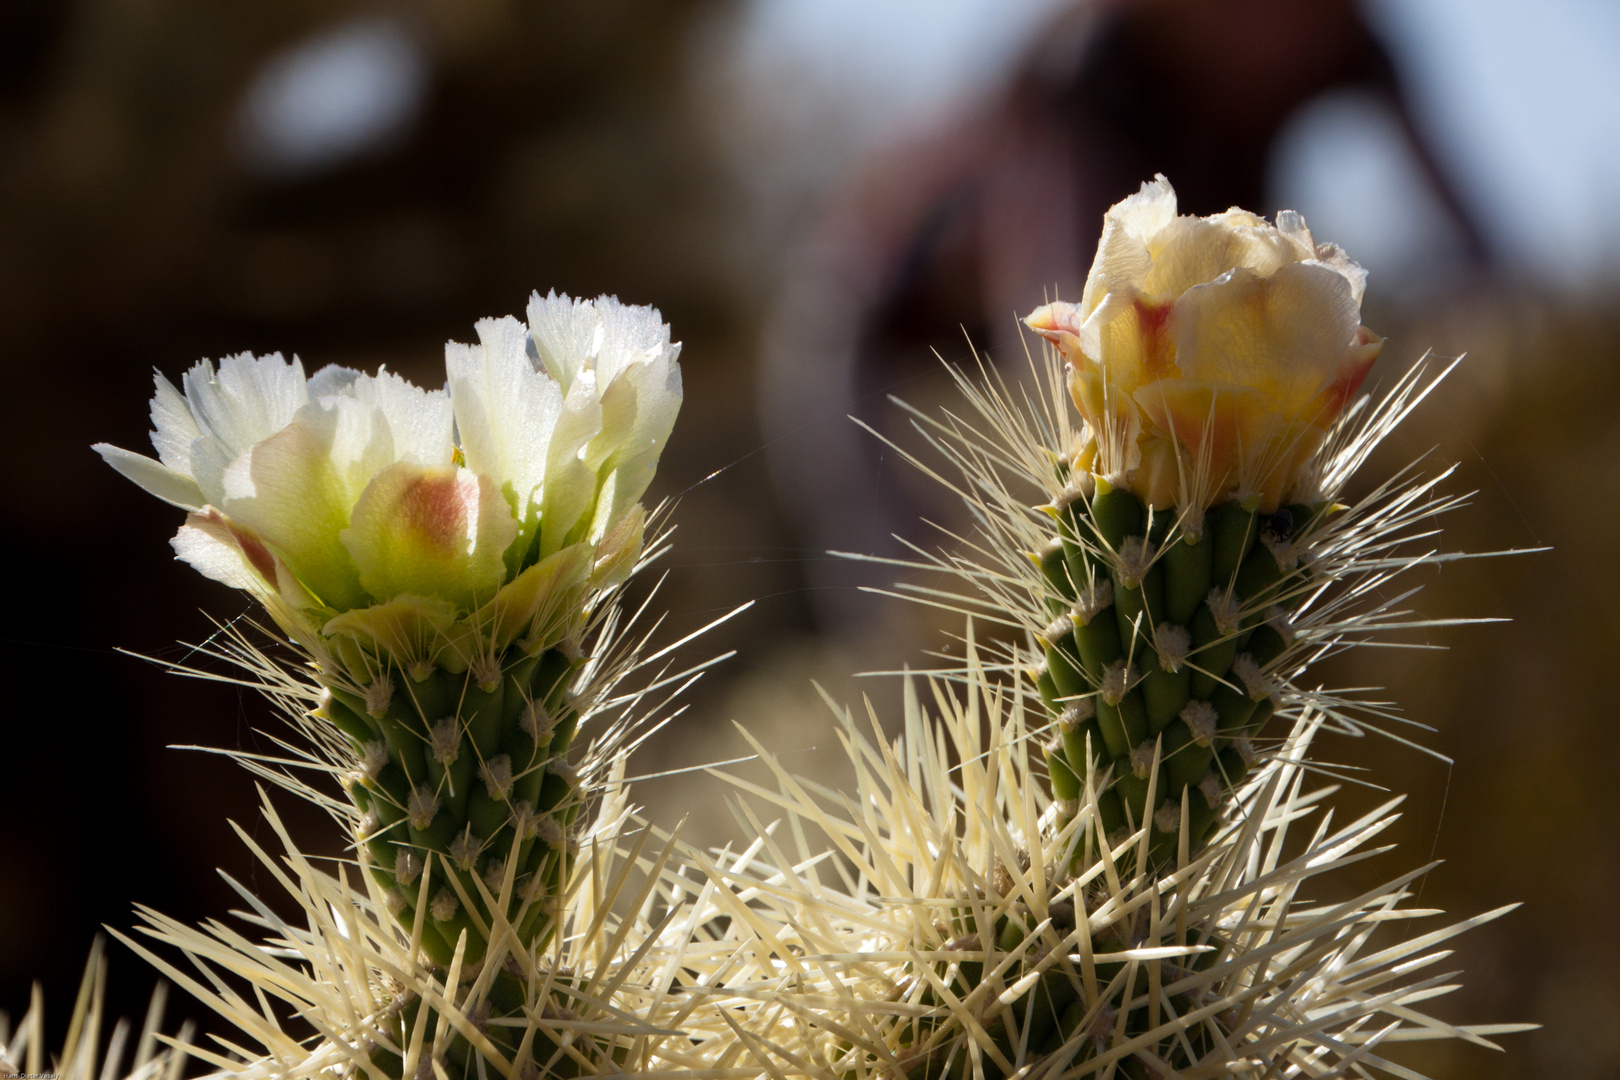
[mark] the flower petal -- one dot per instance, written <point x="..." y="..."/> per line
<point x="223" y="553"/>
<point x="632" y="334"/>
<point x="288" y="489"/>
<point x="505" y="412"/>
<point x="432" y="530"/>
<point x="420" y="422"/>
<point x="630" y="467"/>
<point x="539" y="603"/>
<point x="246" y="401"/>
<point x="571" y="485"/>
<point x="1283" y="335"/>
<point x="174" y="429"/>
<point x="620" y="546"/>
<point x="568" y="334"/>
<point x="1123" y="261"/>
<point x="156" y="478"/>
<point x="1193" y="251"/>
<point x="407" y="629"/>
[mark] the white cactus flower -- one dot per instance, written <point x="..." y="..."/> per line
<point x="347" y="492"/>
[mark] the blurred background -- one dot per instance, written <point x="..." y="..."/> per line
<point x="821" y="196"/>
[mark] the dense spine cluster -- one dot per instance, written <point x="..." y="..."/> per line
<point x="1053" y="1015"/>
<point x="1163" y="651"/>
<point x="564" y="1055"/>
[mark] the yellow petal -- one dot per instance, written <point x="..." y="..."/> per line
<point x="408" y="629"/>
<point x="539" y="602"/>
<point x="1283" y="336"/>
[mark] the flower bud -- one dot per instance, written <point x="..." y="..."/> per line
<point x="1209" y="356"/>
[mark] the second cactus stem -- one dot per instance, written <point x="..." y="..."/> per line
<point x="1161" y="651"/>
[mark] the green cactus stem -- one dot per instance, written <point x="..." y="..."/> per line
<point x="1168" y="642"/>
<point x="455" y="772"/>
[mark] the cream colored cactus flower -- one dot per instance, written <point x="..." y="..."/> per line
<point x="408" y="519"/>
<point x="1208" y="356"/>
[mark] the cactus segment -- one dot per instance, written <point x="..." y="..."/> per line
<point x="467" y="766"/>
<point x="1116" y="513"/>
<point x="1064" y="672"/>
<point x="1188" y="575"/>
<point x="1231" y="530"/>
<point x="1099" y="645"/>
<point x="1065" y="785"/>
<point x="1164" y="693"/>
<point x="1212" y="653"/>
<point x="1055" y="571"/>
<point x="1162" y="634"/>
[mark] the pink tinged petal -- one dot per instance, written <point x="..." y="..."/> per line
<point x="431" y="531"/>
<point x="1358" y="360"/>
<point x="225" y="552"/>
<point x="1059" y="323"/>
<point x="153" y="477"/>
<point x="1136" y="346"/>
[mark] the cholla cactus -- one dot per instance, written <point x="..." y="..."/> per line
<point x="1168" y="570"/>
<point x="444" y="560"/>
<point x="1181" y="557"/>
<point x="595" y="998"/>
<point x="437" y="555"/>
<point x="1087" y="859"/>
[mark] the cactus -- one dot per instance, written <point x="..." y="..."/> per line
<point x="1183" y="558"/>
<point x="441" y="561"/>
<point x="594" y="1000"/>
<point x="83" y="1055"/>
<point x="1165" y="650"/>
